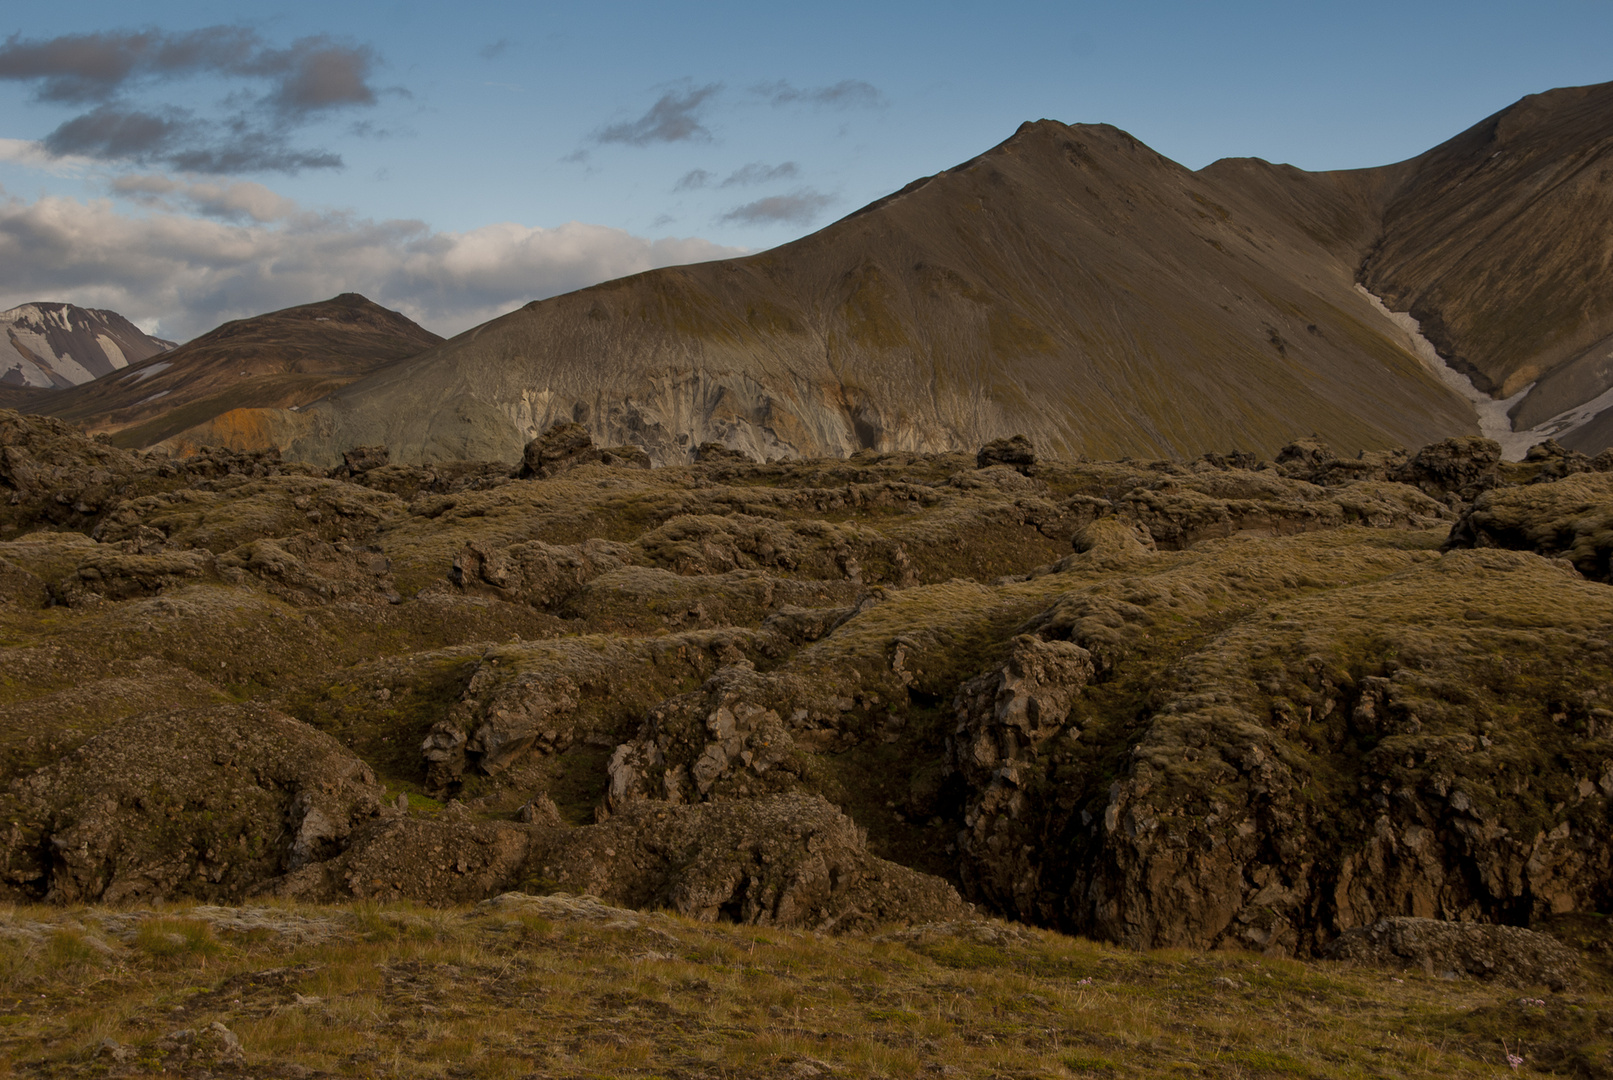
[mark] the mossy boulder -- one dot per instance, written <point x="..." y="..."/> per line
<point x="203" y="803"/>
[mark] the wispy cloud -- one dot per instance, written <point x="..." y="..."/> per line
<point x="798" y="208"/>
<point x="675" y="117"/>
<point x="112" y="74"/>
<point x="755" y="173"/>
<point x="494" y="50"/>
<point x="846" y="94"/>
<point x="758" y="173"/>
<point x="693" y="180"/>
<point x="242" y="200"/>
<point x="33" y="154"/>
<point x="257" y="252"/>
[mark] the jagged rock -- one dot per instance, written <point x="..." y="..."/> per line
<point x="448" y="860"/>
<point x="1174" y="515"/>
<point x="783" y="860"/>
<point x="1510" y="955"/>
<point x="1015" y="452"/>
<point x="113" y="572"/>
<point x="1237" y="459"/>
<point x="625" y="457"/>
<point x="1568" y="519"/>
<point x="203" y="803"/>
<point x="306" y="570"/>
<point x="1004" y="719"/>
<point x="193" y="1048"/>
<point x="525" y="700"/>
<point x="361" y="459"/>
<point x="561" y="447"/>
<point x="715" y="452"/>
<point x="789" y="860"/>
<point x="51" y="473"/>
<point x="1302" y="458"/>
<point x="536" y="573"/>
<point x="1555" y="462"/>
<point x="1460" y="467"/>
<point x="725" y="740"/>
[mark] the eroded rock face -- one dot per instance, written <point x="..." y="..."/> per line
<point x="1015" y="452"/>
<point x="1255" y="706"/>
<point x="1460" y="467"/>
<point x="1510" y="955"/>
<point x="450" y="860"/>
<point x="1566" y="519"/>
<point x="782" y="860"/>
<point x="536" y="573"/>
<point x="725" y="740"/>
<point x="1227" y="828"/>
<point x="362" y="459"/>
<point x="204" y="803"/>
<point x="567" y="445"/>
<point x="1005" y="718"/>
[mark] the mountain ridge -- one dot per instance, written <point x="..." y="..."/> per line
<point x="284" y="358"/>
<point x="938" y="316"/>
<point x="50" y="345"/>
<point x="1070" y="284"/>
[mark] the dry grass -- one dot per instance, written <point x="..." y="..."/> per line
<point x="405" y="991"/>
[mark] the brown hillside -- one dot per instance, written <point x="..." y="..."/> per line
<point x="1498" y="242"/>
<point x="1071" y="284"/>
<point x="280" y="360"/>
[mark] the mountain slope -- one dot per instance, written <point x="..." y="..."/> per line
<point x="1500" y="241"/>
<point x="53" y="346"/>
<point x="280" y="360"/>
<point x="1070" y="284"/>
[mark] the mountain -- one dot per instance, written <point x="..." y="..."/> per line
<point x="1075" y="286"/>
<point x="276" y="361"/>
<point x="1499" y="242"/>
<point x="1070" y="284"/>
<point x="53" y="346"/>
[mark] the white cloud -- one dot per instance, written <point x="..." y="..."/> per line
<point x="235" y="201"/>
<point x="33" y="154"/>
<point x="257" y="252"/>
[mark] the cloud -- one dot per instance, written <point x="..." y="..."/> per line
<point x="798" y="208"/>
<point x="33" y="154"/>
<point x="186" y="274"/>
<point x="106" y="72"/>
<point x="240" y="201"/>
<point x="316" y="74"/>
<point x="84" y="68"/>
<point x="693" y="180"/>
<point x="494" y="50"/>
<point x="674" y="118"/>
<point x="758" y="173"/>
<point x="846" y="94"/>
<point x="754" y="173"/>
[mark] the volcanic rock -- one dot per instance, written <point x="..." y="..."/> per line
<point x="204" y="803"/>
<point x="1568" y="519"/>
<point x="1510" y="955"/>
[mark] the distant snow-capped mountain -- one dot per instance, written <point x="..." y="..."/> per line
<point x="54" y="346"/>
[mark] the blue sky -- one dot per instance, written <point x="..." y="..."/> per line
<point x="455" y="161"/>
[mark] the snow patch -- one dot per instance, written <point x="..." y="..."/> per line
<point x="147" y="372"/>
<point x="114" y="355"/>
<point x="153" y="397"/>
<point x="1494" y="423"/>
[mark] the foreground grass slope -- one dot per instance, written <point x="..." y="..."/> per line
<point x="567" y="987"/>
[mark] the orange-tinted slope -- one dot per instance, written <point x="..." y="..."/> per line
<point x="285" y="358"/>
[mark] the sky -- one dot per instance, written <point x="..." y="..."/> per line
<point x="455" y="161"/>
